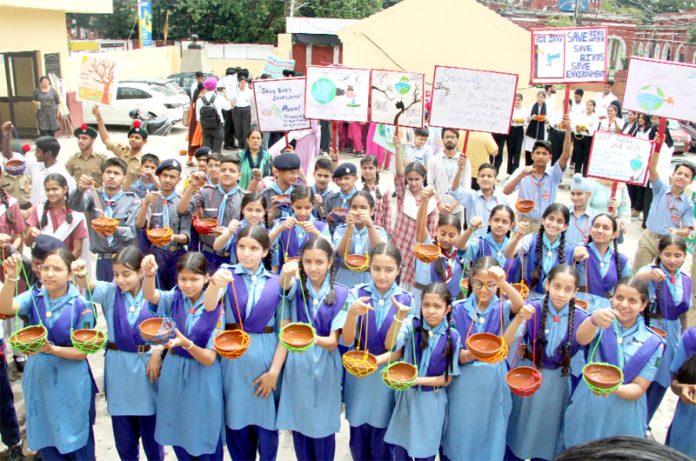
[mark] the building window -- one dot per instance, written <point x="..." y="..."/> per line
<point x="617" y="52"/>
<point x="656" y="52"/>
<point x="641" y="49"/>
<point x="667" y="53"/>
<point x="680" y="55"/>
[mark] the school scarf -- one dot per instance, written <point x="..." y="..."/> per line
<point x="203" y="329"/>
<point x="265" y="308"/>
<point x="322" y="314"/>
<point x="223" y="203"/>
<point x="372" y="336"/>
<point x="438" y="362"/>
<point x="127" y="337"/>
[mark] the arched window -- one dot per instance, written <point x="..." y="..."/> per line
<point x="641" y="49"/>
<point x="656" y="52"/>
<point x="680" y="55"/>
<point x="617" y="52"/>
<point x="667" y="52"/>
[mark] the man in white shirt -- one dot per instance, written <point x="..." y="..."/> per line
<point x="213" y="130"/>
<point x="47" y="149"/>
<point x="241" y="115"/>
<point x="230" y="83"/>
<point x="605" y="99"/>
<point x="577" y="107"/>
<point x="442" y="169"/>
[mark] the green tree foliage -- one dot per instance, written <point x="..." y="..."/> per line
<point x="240" y="21"/>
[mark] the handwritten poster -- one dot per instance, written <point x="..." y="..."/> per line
<point x="274" y="66"/>
<point x="470" y="99"/>
<point x="337" y="93"/>
<point x="396" y="98"/>
<point x="98" y="80"/>
<point x="280" y="104"/>
<point x="661" y="88"/>
<point x="572" y="55"/>
<point x="619" y="157"/>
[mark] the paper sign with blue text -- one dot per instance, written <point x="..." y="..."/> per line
<point x="574" y="55"/>
<point x="280" y="104"/>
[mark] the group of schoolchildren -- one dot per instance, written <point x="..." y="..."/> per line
<point x="284" y="251"/>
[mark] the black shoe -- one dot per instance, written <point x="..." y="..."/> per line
<point x="15" y="453"/>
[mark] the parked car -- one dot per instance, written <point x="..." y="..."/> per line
<point x="166" y="85"/>
<point x="148" y="97"/>
<point x="680" y="136"/>
<point x="185" y="80"/>
<point x="690" y="128"/>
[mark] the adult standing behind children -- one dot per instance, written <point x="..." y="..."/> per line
<point x="241" y="114"/>
<point x="86" y="161"/>
<point x="131" y="153"/>
<point x="47" y="104"/>
<point x="442" y="169"/>
<point x="47" y="149"/>
<point x="209" y="107"/>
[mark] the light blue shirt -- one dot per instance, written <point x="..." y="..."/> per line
<point x="474" y="245"/>
<point x="360" y="239"/>
<point x="54" y="307"/>
<point x="477" y="205"/>
<point x="422" y="154"/>
<point x="668" y="211"/>
<point x="629" y="340"/>
<point x="165" y="308"/>
<point x="543" y="191"/>
<point x="380" y="304"/>
<point x="105" y="294"/>
<point x="407" y="339"/>
<point x="579" y="227"/>
<point x="548" y="251"/>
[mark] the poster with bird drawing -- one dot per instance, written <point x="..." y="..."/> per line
<point x="337" y="93"/>
<point x="396" y="98"/>
<point x="661" y="88"/>
<point x="569" y="55"/>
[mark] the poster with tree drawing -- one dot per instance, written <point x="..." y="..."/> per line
<point x="98" y="80"/>
<point x="396" y="98"/>
<point x="337" y="93"/>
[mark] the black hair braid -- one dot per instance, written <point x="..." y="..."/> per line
<point x="440" y="268"/>
<point x="331" y="296"/>
<point x="449" y="347"/>
<point x="536" y="274"/>
<point x="44" y="216"/>
<point x="68" y="211"/>
<point x="6" y="201"/>
<point x="303" y="282"/>
<point x="423" y="335"/>
<point x="617" y="261"/>
<point x="656" y="305"/>
<point x="569" y="340"/>
<point x="541" y="334"/>
<point x="562" y="249"/>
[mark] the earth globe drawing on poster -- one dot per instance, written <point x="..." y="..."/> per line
<point x="403" y="86"/>
<point x="324" y="90"/>
<point x="651" y="98"/>
<point x="337" y="93"/>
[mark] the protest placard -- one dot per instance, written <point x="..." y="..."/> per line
<point x="98" y="80"/>
<point x="469" y="99"/>
<point x="574" y="55"/>
<point x="274" y="66"/>
<point x="619" y="157"/>
<point x="337" y="93"/>
<point x="280" y="104"/>
<point x="396" y="98"/>
<point x="661" y="88"/>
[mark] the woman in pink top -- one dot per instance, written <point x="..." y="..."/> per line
<point x="56" y="218"/>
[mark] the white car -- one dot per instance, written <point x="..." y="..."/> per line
<point x="150" y="96"/>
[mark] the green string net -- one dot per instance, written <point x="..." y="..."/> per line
<point x="400" y="375"/>
<point x="29" y="339"/>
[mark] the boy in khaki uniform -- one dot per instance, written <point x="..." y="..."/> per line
<point x="131" y="153"/>
<point x="17" y="186"/>
<point x="86" y="161"/>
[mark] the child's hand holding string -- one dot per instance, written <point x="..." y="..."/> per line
<point x="427" y="193"/>
<point x="79" y="268"/>
<point x="580" y="254"/>
<point x="360" y="306"/>
<point x="603" y="318"/>
<point x="289" y="223"/>
<point x="522" y="228"/>
<point x="526" y="313"/>
<point x="476" y="223"/>
<point x="221" y="278"/>
<point x="10" y="265"/>
<point x="657" y="275"/>
<point x="496" y="274"/>
<point x="85" y="183"/>
<point x="233" y="226"/>
<point x="402" y="311"/>
<point x="149" y="266"/>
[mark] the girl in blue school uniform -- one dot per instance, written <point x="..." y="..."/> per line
<point x="131" y="368"/>
<point x="480" y="397"/>
<point x="622" y="339"/>
<point x="310" y="404"/>
<point x="57" y="381"/>
<point x="376" y="309"/>
<point x="448" y="268"/>
<point x="358" y="235"/>
<point x="500" y="223"/>
<point x="416" y="425"/>
<point x="250" y="395"/>
<point x="253" y="214"/>
<point x="541" y="251"/>
<point x="189" y="414"/>
<point x="291" y="234"/>
<point x="682" y="432"/>
<point x="599" y="262"/>
<point x="670" y="299"/>
<point x="550" y="340"/>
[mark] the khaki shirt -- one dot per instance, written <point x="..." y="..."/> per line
<point x="77" y="166"/>
<point x="18" y="187"/>
<point x="123" y="151"/>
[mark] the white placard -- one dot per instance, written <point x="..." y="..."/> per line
<point x="667" y="89"/>
<point x="280" y="104"/>
<point x="469" y="99"/>
<point x="98" y="80"/>
<point x="619" y="157"/>
<point x="275" y="66"/>
<point x="337" y="93"/>
<point x="396" y="98"/>
<point x="572" y="55"/>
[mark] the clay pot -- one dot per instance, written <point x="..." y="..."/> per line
<point x="232" y="344"/>
<point x="401" y="373"/>
<point x="88" y="336"/>
<point x="581" y="303"/>
<point x="30" y="334"/>
<point x="523" y="380"/>
<point x="297" y="335"/>
<point x="339" y="213"/>
<point x="659" y="331"/>
<point x="282" y="199"/>
<point x="104" y="225"/>
<point x="356" y="261"/>
<point x="359" y="363"/>
<point x="160" y="236"/>
<point x="602" y="376"/>
<point x="484" y="345"/>
<point x="524" y="206"/>
<point x="15" y="167"/>
<point x="427" y="253"/>
<point x="156" y="327"/>
<point x="205" y="226"/>
<point x="521" y="288"/>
